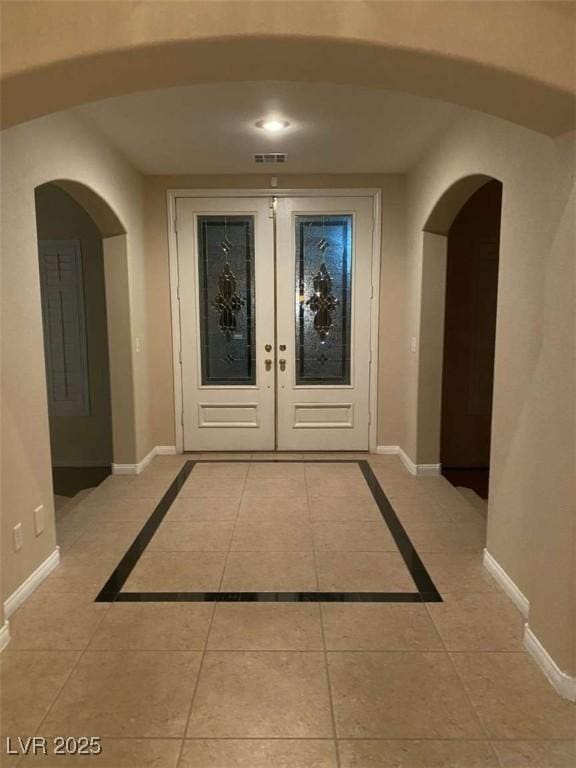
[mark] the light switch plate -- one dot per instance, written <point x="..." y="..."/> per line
<point x="18" y="537"/>
<point x="39" y="519"/>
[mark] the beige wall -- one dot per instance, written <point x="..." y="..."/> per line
<point x="532" y="505"/>
<point x="510" y="55"/>
<point x="51" y="148"/>
<point x="390" y="418"/>
<point x="84" y="440"/>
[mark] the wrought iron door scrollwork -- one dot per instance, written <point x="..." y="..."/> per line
<point x="227" y="302"/>
<point x="322" y="303"/>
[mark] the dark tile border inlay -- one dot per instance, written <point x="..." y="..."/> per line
<point x="427" y="592"/>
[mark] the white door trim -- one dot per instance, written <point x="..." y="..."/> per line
<point x="173" y="194"/>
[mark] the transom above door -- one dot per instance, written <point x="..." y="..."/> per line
<point x="274" y="300"/>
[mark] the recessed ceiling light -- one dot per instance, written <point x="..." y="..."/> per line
<point x="272" y="125"/>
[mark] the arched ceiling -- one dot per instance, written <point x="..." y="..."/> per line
<point x="511" y="59"/>
<point x="211" y="128"/>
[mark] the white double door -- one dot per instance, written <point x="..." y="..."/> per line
<point x="274" y="300"/>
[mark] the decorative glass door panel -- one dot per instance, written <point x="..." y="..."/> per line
<point x="323" y="299"/>
<point x="275" y="333"/>
<point x="226" y="299"/>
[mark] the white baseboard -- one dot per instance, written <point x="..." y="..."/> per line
<point x="562" y="683"/>
<point x="165" y="450"/>
<point x="422" y="470"/>
<point x="32" y="582"/>
<point x="4" y="635"/>
<point x="505" y="582"/>
<point x="136" y="469"/>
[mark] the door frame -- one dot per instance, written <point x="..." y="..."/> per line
<point x="173" y="194"/>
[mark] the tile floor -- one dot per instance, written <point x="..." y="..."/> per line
<point x="279" y="685"/>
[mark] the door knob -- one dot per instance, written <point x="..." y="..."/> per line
<point x="268" y="347"/>
<point x="282" y="364"/>
<point x="282" y="347"/>
<point x="268" y="364"/>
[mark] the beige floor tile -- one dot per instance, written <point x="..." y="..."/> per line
<point x="536" y="754"/>
<point x="277" y="471"/>
<point x="258" y="753"/>
<point x="223" y="470"/>
<point x="274" y="510"/>
<point x="345" y="509"/>
<point x="272" y="536"/>
<point x="126" y="693"/>
<point x="363" y="572"/>
<point x="459" y="573"/>
<point x="177" y="572"/>
<point x="261" y="695"/>
<point x="513" y="698"/>
<point x="195" y="510"/>
<point x="30" y="683"/>
<point x="478" y="622"/>
<point x="55" y="622"/>
<point x="275" y="487"/>
<point x="146" y="488"/>
<point x="399" y="696"/>
<point x="269" y="572"/>
<point x="154" y="627"/>
<point x="120" y="510"/>
<point x="458" y="539"/>
<point x="68" y="534"/>
<point x="417" y="513"/>
<point x="379" y="627"/>
<point x="416" y="754"/>
<point x="192" y="536"/>
<point x="79" y="575"/>
<point x="117" y="753"/>
<point x="266" y="627"/>
<point x="212" y="487"/>
<point x="106" y="538"/>
<point x="353" y="536"/>
<point x="338" y="486"/>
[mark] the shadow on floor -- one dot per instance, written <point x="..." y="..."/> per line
<point x="69" y="480"/>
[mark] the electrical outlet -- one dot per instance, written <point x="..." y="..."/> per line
<point x="39" y="519"/>
<point x="18" y="537"/>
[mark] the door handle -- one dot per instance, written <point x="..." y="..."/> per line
<point x="282" y="364"/>
<point x="268" y="364"/>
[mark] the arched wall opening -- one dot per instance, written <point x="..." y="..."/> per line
<point x="104" y="435"/>
<point x="441" y="374"/>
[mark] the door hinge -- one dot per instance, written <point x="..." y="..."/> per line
<point x="178" y="292"/>
<point x="175" y="222"/>
<point x="371" y="291"/>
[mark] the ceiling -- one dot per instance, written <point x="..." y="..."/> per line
<point x="205" y="129"/>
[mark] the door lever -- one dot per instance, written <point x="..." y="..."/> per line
<point x="282" y="364"/>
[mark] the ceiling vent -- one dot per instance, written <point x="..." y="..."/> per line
<point x="270" y="157"/>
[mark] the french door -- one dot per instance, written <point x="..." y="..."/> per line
<point x="274" y="301"/>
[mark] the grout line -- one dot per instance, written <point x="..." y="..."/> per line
<point x="195" y="689"/>
<point x="321" y="616"/>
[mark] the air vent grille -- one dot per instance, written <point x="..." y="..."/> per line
<point x="270" y="157"/>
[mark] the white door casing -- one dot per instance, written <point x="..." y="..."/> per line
<point x="255" y="417"/>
